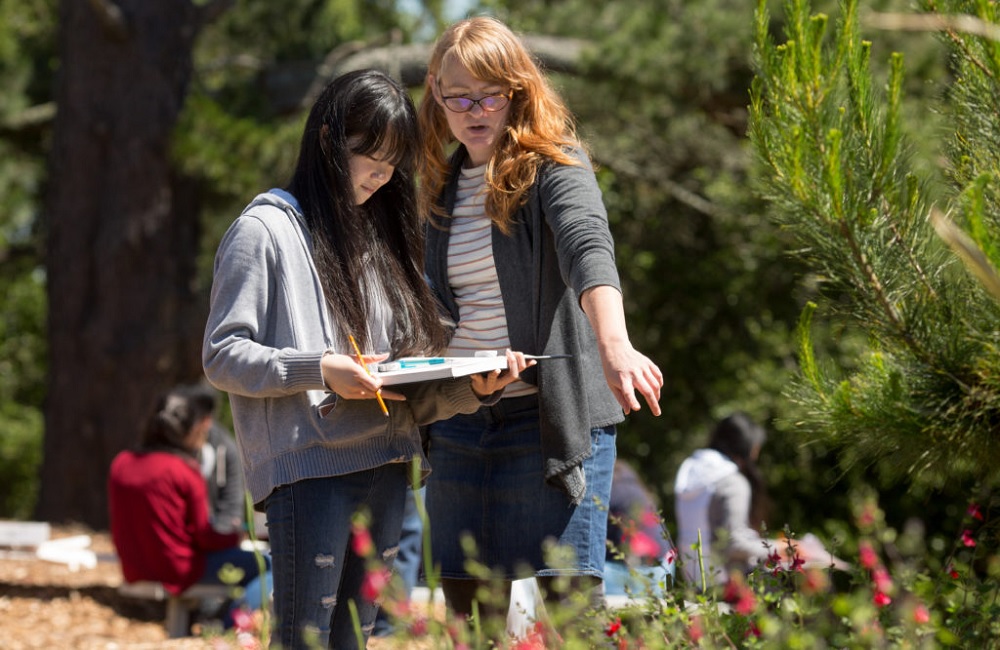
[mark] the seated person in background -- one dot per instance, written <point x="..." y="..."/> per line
<point x="640" y="556"/>
<point x="222" y="469"/>
<point x="159" y="507"/>
<point x="719" y="492"/>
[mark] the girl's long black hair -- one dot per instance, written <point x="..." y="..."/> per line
<point x="382" y="238"/>
<point x="736" y="436"/>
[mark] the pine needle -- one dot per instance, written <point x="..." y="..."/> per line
<point x="974" y="258"/>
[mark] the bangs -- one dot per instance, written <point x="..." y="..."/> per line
<point x="392" y="140"/>
<point x="489" y="65"/>
<point x="491" y="53"/>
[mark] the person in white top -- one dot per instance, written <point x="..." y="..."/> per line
<point x="719" y="494"/>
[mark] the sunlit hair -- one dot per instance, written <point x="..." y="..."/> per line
<point x="539" y="126"/>
<point x="367" y="113"/>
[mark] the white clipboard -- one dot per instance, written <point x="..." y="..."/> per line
<point x="413" y="369"/>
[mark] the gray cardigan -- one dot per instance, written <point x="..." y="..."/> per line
<point x="559" y="247"/>
<point x="267" y="331"/>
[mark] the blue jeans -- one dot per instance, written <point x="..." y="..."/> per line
<point x="488" y="482"/>
<point x="251" y="580"/>
<point x="215" y="561"/>
<point x="316" y="573"/>
<point x="408" y="560"/>
<point x="638" y="581"/>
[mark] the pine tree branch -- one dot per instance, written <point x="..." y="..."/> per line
<point x="936" y="22"/>
<point x="897" y="238"/>
<point x="967" y="250"/>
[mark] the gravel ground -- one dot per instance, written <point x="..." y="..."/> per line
<point x="48" y="605"/>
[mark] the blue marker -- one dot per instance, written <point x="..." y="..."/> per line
<point x="416" y="363"/>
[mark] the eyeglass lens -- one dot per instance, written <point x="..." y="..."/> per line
<point x="464" y="104"/>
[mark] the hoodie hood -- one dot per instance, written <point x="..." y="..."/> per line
<point x="278" y="198"/>
<point x="701" y="471"/>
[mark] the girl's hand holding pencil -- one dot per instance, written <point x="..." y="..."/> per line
<point x="348" y="376"/>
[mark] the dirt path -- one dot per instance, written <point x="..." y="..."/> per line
<point x="47" y="605"/>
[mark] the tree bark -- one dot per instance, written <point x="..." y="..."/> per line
<point x="122" y="241"/>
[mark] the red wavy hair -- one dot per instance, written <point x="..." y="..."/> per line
<point x="539" y="126"/>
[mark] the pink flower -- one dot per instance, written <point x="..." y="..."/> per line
<point x="643" y="545"/>
<point x="967" y="539"/>
<point x="815" y="582"/>
<point x="868" y="515"/>
<point x="650" y="519"/>
<point x="975" y="511"/>
<point x="247" y="641"/>
<point x="882" y="580"/>
<point x="881" y="599"/>
<point x="694" y="630"/>
<point x="535" y="640"/>
<point x="399" y="607"/>
<point x="361" y="541"/>
<point x="921" y="614"/>
<point x="740" y="596"/>
<point x="374" y="584"/>
<point x="867" y="555"/>
<point x="671" y="556"/>
<point x="418" y="628"/>
<point x="242" y="620"/>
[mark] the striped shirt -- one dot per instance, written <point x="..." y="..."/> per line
<point x="472" y="273"/>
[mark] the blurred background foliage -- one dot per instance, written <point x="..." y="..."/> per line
<point x="712" y="292"/>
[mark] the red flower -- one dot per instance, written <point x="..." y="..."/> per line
<point x="614" y="627"/>
<point x="643" y="545"/>
<point x="920" y="614"/>
<point x="375" y="582"/>
<point x="798" y="562"/>
<point x="418" y="628"/>
<point x="975" y="511"/>
<point x="361" y="541"/>
<point x="953" y="572"/>
<point x="967" y="538"/>
<point x="881" y="599"/>
<point x="650" y="519"/>
<point x="869" y="559"/>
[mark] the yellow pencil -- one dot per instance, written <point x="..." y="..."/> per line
<point x="361" y="360"/>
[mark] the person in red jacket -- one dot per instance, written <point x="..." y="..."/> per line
<point x="159" y="504"/>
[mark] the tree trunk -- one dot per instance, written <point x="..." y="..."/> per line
<point x="122" y="242"/>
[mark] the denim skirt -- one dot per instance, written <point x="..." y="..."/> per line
<point x="487" y="486"/>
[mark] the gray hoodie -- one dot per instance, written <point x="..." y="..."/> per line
<point x="267" y="331"/>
